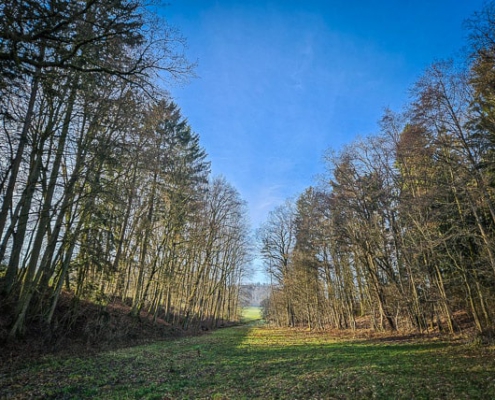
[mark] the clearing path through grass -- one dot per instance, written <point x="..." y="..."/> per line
<point x="257" y="362"/>
<point x="251" y="314"/>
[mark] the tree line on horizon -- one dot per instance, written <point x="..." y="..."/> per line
<point x="401" y="230"/>
<point x="106" y="192"/>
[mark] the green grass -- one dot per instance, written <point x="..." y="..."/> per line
<point x="251" y="314"/>
<point x="256" y="362"/>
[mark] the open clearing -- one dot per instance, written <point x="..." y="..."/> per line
<point x="251" y="314"/>
<point x="257" y="362"/>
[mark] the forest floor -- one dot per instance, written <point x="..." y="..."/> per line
<point x="81" y="327"/>
<point x="253" y="361"/>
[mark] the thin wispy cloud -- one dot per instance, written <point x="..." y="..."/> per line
<point x="282" y="81"/>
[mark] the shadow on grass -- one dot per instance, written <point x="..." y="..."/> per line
<point x="158" y="370"/>
<point x="254" y="362"/>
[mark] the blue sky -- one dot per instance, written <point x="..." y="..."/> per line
<point x="280" y="82"/>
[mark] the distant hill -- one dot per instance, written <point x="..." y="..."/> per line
<point x="253" y="294"/>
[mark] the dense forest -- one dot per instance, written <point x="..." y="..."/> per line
<point x="105" y="189"/>
<point x="400" y="233"/>
<point x="107" y="195"/>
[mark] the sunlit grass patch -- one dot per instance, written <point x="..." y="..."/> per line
<point x="251" y="314"/>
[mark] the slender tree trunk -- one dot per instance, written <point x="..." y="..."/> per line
<point x="14" y="168"/>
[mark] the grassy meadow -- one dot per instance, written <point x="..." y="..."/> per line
<point x="253" y="361"/>
<point x="251" y="314"/>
